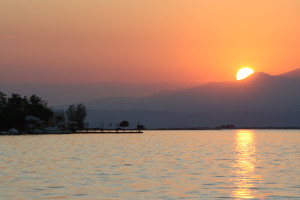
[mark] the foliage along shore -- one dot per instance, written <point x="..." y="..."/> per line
<point x="27" y="114"/>
<point x="14" y="109"/>
<point x="23" y="115"/>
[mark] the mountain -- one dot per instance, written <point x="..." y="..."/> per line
<point x="292" y="74"/>
<point x="262" y="94"/>
<point x="65" y="93"/>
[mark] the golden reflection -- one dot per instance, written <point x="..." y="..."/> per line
<point x="245" y="155"/>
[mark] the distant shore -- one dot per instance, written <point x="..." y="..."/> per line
<point x="134" y="131"/>
<point x="236" y="128"/>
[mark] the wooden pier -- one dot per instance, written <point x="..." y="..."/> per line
<point x="108" y="131"/>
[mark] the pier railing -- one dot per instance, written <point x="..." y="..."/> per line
<point x="105" y="131"/>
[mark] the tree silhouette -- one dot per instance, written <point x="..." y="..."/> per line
<point x="3" y="103"/>
<point x="140" y="127"/>
<point x="14" y="109"/>
<point x="124" y="124"/>
<point x="59" y="116"/>
<point x="3" y="100"/>
<point x="39" y="108"/>
<point x="77" y="113"/>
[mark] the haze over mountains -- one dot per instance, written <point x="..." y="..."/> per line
<point x="259" y="100"/>
<point x="258" y="92"/>
<point x="58" y="94"/>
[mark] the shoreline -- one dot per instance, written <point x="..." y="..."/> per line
<point x="218" y="128"/>
<point x="113" y="131"/>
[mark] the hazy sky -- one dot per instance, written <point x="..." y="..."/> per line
<point x="146" y="41"/>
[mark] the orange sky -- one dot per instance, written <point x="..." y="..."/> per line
<point x="146" y="41"/>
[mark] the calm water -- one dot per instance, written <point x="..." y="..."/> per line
<point x="242" y="164"/>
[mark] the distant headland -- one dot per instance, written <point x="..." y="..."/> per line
<point x="23" y="115"/>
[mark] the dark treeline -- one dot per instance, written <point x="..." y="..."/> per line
<point x="15" y="111"/>
<point x="15" y="108"/>
<point x="77" y="113"/>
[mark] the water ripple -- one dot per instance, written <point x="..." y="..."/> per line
<point x="155" y="165"/>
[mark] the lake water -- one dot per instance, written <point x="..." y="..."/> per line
<point x="234" y="164"/>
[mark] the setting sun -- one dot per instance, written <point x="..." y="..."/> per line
<point x="244" y="73"/>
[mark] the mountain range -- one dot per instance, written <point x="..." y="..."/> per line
<point x="259" y="100"/>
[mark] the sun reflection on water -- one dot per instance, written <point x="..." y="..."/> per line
<point x="244" y="173"/>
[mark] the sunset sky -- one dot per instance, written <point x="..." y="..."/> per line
<point x="134" y="41"/>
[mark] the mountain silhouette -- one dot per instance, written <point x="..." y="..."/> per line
<point x="258" y="92"/>
<point x="259" y="100"/>
<point x="292" y="74"/>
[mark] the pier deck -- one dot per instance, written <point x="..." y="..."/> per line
<point x="109" y="131"/>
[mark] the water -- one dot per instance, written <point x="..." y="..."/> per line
<point x="242" y="164"/>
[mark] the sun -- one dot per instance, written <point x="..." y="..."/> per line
<point x="244" y="73"/>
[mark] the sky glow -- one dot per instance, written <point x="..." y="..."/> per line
<point x="145" y="41"/>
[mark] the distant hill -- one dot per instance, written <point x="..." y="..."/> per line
<point x="259" y="100"/>
<point x="259" y="92"/>
<point x="292" y="74"/>
<point x="169" y="119"/>
<point x="62" y="93"/>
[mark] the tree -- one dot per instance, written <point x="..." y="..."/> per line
<point x="14" y="109"/>
<point x="140" y="127"/>
<point x="3" y="103"/>
<point x="15" y="112"/>
<point x="59" y="116"/>
<point x="124" y="124"/>
<point x="77" y="113"/>
<point x="71" y="113"/>
<point x="39" y="108"/>
<point x="3" y="100"/>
